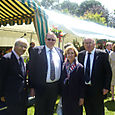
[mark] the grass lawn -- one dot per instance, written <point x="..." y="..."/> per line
<point x="109" y="107"/>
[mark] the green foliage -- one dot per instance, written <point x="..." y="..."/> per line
<point x="94" y="7"/>
<point x="94" y="17"/>
<point x="56" y="31"/>
<point x="48" y="3"/>
<point x="67" y="7"/>
<point x="109" y="107"/>
<point x="86" y="5"/>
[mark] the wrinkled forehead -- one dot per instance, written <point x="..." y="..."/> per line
<point x="51" y="36"/>
<point x="89" y="40"/>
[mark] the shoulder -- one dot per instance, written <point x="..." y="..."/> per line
<point x="6" y="58"/>
<point x="38" y="47"/>
<point x="100" y="52"/>
<point x="59" y="49"/>
<point x="82" y="52"/>
<point x="8" y="55"/>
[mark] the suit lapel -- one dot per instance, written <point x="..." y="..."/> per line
<point x="43" y="58"/>
<point x="94" y="62"/>
<point x="15" y="62"/>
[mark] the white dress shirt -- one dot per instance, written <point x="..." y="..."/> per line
<point x="57" y="64"/>
<point x="91" y="62"/>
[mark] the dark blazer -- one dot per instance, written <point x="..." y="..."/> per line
<point x="38" y="67"/>
<point x="73" y="91"/>
<point x="12" y="81"/>
<point x="101" y="71"/>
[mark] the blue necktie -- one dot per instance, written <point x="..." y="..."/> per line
<point x="87" y="70"/>
<point x="21" y="63"/>
<point x="52" y="67"/>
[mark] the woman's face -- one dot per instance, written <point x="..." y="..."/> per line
<point x="71" y="55"/>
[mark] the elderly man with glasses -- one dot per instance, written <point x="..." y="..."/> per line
<point x="13" y="79"/>
<point x="44" y="75"/>
<point x="98" y="74"/>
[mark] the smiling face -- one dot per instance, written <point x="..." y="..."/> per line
<point x="50" y="40"/>
<point x="71" y="55"/>
<point x="20" y="48"/>
<point x="89" y="44"/>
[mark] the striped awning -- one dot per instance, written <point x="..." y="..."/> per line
<point x="24" y="11"/>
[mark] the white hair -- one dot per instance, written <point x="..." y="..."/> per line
<point x="21" y="40"/>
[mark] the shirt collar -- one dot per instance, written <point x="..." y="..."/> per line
<point x="16" y="54"/>
<point x="48" y="49"/>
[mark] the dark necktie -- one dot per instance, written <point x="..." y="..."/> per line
<point x="21" y="63"/>
<point x="87" y="71"/>
<point x="52" y="67"/>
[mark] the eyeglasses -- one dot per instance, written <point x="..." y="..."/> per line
<point x="22" y="46"/>
<point x="70" y="53"/>
<point x="51" y="39"/>
<point x="88" y="43"/>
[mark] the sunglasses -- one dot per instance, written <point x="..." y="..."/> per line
<point x="51" y="39"/>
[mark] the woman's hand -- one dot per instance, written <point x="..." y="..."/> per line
<point x="2" y="99"/>
<point x="81" y="101"/>
<point x="32" y="92"/>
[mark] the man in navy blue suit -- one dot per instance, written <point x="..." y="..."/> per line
<point x="13" y="79"/>
<point x="46" y="87"/>
<point x="97" y="82"/>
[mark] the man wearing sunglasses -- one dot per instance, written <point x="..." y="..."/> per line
<point x="44" y="75"/>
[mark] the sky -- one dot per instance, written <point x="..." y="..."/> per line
<point x="109" y="4"/>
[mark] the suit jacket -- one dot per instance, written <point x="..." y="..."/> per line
<point x="75" y="88"/>
<point x="38" y="67"/>
<point x="101" y="71"/>
<point x="12" y="81"/>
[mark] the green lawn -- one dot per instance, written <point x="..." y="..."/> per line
<point x="109" y="107"/>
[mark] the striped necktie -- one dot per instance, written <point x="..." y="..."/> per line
<point x="52" y="67"/>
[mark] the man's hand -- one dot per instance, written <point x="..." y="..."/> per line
<point x="2" y="99"/>
<point x="81" y="101"/>
<point x="32" y="92"/>
<point x="105" y="91"/>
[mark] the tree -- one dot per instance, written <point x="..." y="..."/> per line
<point x="93" y="7"/>
<point x="94" y="17"/>
<point x="87" y="5"/>
<point x="67" y="7"/>
<point x="48" y="3"/>
<point x="111" y="20"/>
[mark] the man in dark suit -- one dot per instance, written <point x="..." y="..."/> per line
<point x="13" y="77"/>
<point x="42" y="78"/>
<point x="108" y="47"/>
<point x="97" y="83"/>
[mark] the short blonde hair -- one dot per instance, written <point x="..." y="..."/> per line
<point x="73" y="48"/>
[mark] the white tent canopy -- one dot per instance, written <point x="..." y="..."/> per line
<point x="82" y="28"/>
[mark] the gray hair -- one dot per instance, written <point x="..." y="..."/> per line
<point x="20" y="40"/>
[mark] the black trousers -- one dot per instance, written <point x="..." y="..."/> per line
<point x="17" y="106"/>
<point x="45" y="102"/>
<point x="94" y="104"/>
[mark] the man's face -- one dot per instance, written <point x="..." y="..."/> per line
<point x="89" y="44"/>
<point x="109" y="46"/>
<point x="50" y="41"/>
<point x="20" y="48"/>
